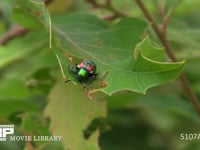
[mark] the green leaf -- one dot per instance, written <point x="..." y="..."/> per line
<point x="32" y="14"/>
<point x="6" y="10"/>
<point x="30" y="22"/>
<point x="13" y="88"/>
<point x="71" y="113"/>
<point x="9" y="107"/>
<point x="34" y="123"/>
<point x="113" y="50"/>
<point x="21" y="48"/>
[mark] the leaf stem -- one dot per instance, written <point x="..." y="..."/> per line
<point x="161" y="33"/>
<point x="108" y="6"/>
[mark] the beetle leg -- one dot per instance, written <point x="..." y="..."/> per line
<point x="92" y="78"/>
<point x="71" y="69"/>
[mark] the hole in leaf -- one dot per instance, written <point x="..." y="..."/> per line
<point x="98" y="123"/>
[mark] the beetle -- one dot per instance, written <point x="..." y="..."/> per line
<point x="85" y="71"/>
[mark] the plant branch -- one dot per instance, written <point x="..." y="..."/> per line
<point x="168" y="15"/>
<point x="14" y="31"/>
<point x="161" y="33"/>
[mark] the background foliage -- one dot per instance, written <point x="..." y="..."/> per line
<point x="123" y="109"/>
